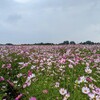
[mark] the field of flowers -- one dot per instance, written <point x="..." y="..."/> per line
<point x="69" y="72"/>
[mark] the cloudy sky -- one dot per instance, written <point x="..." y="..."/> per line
<point x="33" y="21"/>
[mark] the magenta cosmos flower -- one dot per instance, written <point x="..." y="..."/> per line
<point x="19" y="97"/>
<point x="1" y="79"/>
<point x="32" y="98"/>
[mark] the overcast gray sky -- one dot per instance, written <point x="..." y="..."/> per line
<point x="30" y="21"/>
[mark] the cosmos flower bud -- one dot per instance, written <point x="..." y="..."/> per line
<point x="89" y="79"/>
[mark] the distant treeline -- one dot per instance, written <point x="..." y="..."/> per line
<point x="84" y="43"/>
<point x="63" y="43"/>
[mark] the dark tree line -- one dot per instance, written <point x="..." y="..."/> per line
<point x="89" y="43"/>
<point x="67" y="42"/>
<point x="83" y="43"/>
<point x="44" y="43"/>
<point x="63" y="43"/>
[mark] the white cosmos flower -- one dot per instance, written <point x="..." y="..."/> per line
<point x="19" y="75"/>
<point x="49" y="63"/>
<point x="29" y="83"/>
<point x="98" y="97"/>
<point x="91" y="95"/>
<point x="62" y="67"/>
<point x="31" y="76"/>
<point x="3" y="87"/>
<point x="77" y="82"/>
<point x="15" y="82"/>
<point x="63" y="91"/>
<point x="70" y="66"/>
<point x="24" y="86"/>
<point x="57" y="84"/>
<point x="82" y="79"/>
<point x="67" y="95"/>
<point x="88" y="70"/>
<point x="91" y="86"/>
<point x="32" y="67"/>
<point x="85" y="90"/>
<point x="64" y="98"/>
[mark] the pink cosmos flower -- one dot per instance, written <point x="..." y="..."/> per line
<point x="9" y="66"/>
<point x="10" y="82"/>
<point x="1" y="79"/>
<point x="96" y="91"/>
<point x="62" y="61"/>
<point x="3" y="65"/>
<point x="32" y="98"/>
<point x="29" y="73"/>
<point x="18" y="97"/>
<point x="25" y="64"/>
<point x="91" y="95"/>
<point x="45" y="91"/>
<point x="87" y="64"/>
<point x="72" y="62"/>
<point x="70" y="66"/>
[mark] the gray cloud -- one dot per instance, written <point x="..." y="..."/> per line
<point x="49" y="21"/>
<point x="13" y="18"/>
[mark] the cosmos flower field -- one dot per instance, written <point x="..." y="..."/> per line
<point x="68" y="72"/>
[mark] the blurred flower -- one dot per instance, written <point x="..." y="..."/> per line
<point x="57" y="84"/>
<point x="32" y="98"/>
<point x="89" y="79"/>
<point x="8" y="66"/>
<point x="18" y="97"/>
<point x="67" y="95"/>
<point x="91" y="95"/>
<point x="62" y="61"/>
<point x="21" y="63"/>
<point x="85" y="90"/>
<point x="45" y="91"/>
<point x="28" y="83"/>
<point x="15" y="82"/>
<point x="32" y="67"/>
<point x="96" y="91"/>
<point x="19" y="75"/>
<point x="63" y="91"/>
<point x="97" y="97"/>
<point x="91" y="86"/>
<point x="24" y="86"/>
<point x="82" y="79"/>
<point x="30" y="75"/>
<point x="88" y="70"/>
<point x="70" y="66"/>
<point x="10" y="82"/>
<point x="87" y="64"/>
<point x="3" y="66"/>
<point x="1" y="79"/>
<point x="72" y="62"/>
